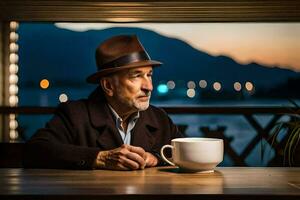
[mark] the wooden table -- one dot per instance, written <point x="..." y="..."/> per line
<point x="163" y="183"/>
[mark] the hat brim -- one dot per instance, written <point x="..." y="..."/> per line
<point x="94" y="78"/>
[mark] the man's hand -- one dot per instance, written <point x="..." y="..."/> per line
<point x="150" y="159"/>
<point x="126" y="157"/>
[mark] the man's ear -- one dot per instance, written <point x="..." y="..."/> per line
<point x="107" y="86"/>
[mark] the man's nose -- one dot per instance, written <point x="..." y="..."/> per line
<point x="147" y="84"/>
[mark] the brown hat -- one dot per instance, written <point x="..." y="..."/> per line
<point x="120" y="52"/>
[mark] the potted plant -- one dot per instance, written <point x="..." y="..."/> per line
<point x="288" y="149"/>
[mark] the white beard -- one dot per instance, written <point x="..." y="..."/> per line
<point x="141" y="106"/>
<point x="134" y="104"/>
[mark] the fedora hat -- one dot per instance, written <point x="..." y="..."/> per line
<point x="118" y="53"/>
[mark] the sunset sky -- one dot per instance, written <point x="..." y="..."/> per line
<point x="271" y="44"/>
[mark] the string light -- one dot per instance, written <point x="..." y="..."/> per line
<point x="13" y="89"/>
<point x="13" y="79"/>
<point x="13" y="68"/>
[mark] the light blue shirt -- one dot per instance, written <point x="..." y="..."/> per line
<point x="126" y="136"/>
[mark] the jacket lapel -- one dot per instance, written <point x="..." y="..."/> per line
<point x="145" y="130"/>
<point x="102" y="119"/>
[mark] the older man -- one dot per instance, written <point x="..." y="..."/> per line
<point x="115" y="128"/>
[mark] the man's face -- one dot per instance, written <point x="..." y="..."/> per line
<point x="133" y="88"/>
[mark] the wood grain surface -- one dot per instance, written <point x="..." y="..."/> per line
<point x="152" y="183"/>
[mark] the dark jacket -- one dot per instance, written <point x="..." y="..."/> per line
<point x="80" y="129"/>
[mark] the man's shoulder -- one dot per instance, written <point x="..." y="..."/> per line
<point x="154" y="110"/>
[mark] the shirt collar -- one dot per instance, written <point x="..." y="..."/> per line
<point x="118" y="119"/>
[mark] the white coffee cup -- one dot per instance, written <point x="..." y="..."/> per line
<point x="195" y="154"/>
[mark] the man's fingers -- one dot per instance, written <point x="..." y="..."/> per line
<point x="137" y="158"/>
<point x="137" y="150"/>
<point x="119" y="166"/>
<point x="136" y="154"/>
<point x="150" y="160"/>
<point x="129" y="163"/>
<point x="128" y="158"/>
<point x="120" y="163"/>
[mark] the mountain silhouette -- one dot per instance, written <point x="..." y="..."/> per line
<point x="59" y="54"/>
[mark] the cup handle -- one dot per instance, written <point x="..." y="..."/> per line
<point x="162" y="153"/>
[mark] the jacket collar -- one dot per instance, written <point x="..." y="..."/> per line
<point x="101" y="115"/>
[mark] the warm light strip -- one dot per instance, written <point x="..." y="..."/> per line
<point x="13" y="78"/>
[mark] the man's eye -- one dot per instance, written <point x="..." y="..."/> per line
<point x="135" y="76"/>
<point x="139" y="75"/>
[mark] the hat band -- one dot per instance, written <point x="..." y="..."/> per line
<point x="127" y="59"/>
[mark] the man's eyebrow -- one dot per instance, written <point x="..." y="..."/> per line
<point x="139" y="72"/>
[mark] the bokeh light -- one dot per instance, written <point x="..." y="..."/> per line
<point x="217" y="86"/>
<point x="162" y="88"/>
<point x="44" y="84"/>
<point x="237" y="86"/>
<point x="191" y="85"/>
<point x="202" y="83"/>
<point x="63" y="98"/>
<point x="249" y="86"/>
<point x="171" y="84"/>
<point x="191" y="93"/>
